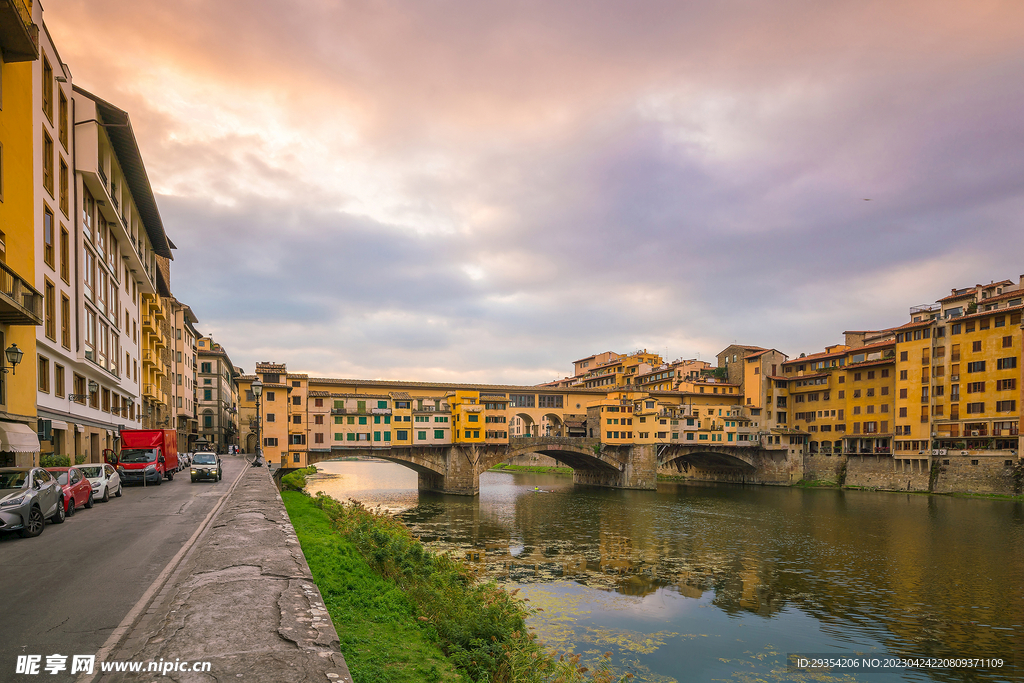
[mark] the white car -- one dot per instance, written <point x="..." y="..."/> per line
<point x="104" y="480"/>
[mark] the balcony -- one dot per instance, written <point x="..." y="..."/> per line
<point x="340" y="411"/>
<point x="149" y="323"/>
<point x="150" y="391"/>
<point x="20" y="303"/>
<point x="19" y="37"/>
<point x="380" y="411"/>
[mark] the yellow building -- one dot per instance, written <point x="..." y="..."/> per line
<point x="21" y="305"/>
<point x="959" y="364"/>
<point x="842" y="398"/>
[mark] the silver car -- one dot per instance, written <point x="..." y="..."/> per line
<point x="28" y="496"/>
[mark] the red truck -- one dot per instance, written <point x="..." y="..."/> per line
<point x="148" y="455"/>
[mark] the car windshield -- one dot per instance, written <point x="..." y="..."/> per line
<point x="138" y="455"/>
<point x="205" y="459"/>
<point x="13" y="480"/>
<point x="92" y="471"/>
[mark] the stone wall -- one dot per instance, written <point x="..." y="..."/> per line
<point x="777" y="467"/>
<point x="882" y="472"/>
<point x="827" y="468"/>
<point x="990" y="473"/>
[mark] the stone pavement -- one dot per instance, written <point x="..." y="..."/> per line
<point x="242" y="599"/>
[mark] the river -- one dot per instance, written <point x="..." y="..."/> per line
<point x="725" y="582"/>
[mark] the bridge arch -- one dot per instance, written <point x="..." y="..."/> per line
<point x="574" y="452"/>
<point x="703" y="457"/>
<point x="552" y="425"/>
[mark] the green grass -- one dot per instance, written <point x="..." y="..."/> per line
<point x="502" y="467"/>
<point x="404" y="613"/>
<point x="296" y="481"/>
<point x="381" y="638"/>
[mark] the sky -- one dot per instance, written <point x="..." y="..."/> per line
<point x="466" y="191"/>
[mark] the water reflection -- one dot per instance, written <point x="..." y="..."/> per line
<point x="724" y="576"/>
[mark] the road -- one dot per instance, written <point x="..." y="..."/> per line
<point x="67" y="589"/>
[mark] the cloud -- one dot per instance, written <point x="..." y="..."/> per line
<point x="486" y="191"/>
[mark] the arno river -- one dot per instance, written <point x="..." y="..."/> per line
<point x="701" y="583"/>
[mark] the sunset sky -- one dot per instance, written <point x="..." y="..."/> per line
<point x="486" y="191"/>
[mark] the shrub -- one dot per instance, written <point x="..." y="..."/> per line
<point x="52" y="460"/>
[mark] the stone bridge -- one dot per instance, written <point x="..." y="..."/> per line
<point x="456" y="468"/>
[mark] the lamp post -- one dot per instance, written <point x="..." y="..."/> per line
<point x="14" y="355"/>
<point x="257" y="391"/>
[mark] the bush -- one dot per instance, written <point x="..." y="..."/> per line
<point x="79" y="459"/>
<point x="51" y="460"/>
<point x="296" y="481"/>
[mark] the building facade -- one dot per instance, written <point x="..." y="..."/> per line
<point x="21" y="302"/>
<point x="216" y="395"/>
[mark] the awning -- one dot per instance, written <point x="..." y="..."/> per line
<point x="57" y="424"/>
<point x="18" y="438"/>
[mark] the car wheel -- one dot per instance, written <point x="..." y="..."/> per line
<point x="193" y="480"/>
<point x="58" y="517"/>
<point x="89" y="502"/>
<point x="34" y="524"/>
<point x="118" y="493"/>
<point x="106" y="494"/>
<point x="170" y="476"/>
<point x="70" y="512"/>
<point x="159" y="480"/>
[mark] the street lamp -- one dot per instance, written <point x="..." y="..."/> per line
<point x="257" y="391"/>
<point x="14" y="355"/>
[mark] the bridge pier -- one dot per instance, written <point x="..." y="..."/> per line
<point x="639" y="470"/>
<point x="461" y="476"/>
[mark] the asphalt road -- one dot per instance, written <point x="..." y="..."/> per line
<point x="66" y="590"/>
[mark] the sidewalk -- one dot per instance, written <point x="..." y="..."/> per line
<point x="242" y="599"/>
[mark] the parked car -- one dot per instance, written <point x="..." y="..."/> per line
<point x="77" y="489"/>
<point x="206" y="466"/>
<point x="103" y="479"/>
<point x="28" y="496"/>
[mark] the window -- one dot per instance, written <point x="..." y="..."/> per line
<point x="976" y="346"/>
<point x="48" y="163"/>
<point x="975" y="408"/>
<point x="48" y="236"/>
<point x="1006" y="406"/>
<point x="422" y="436"/>
<point x="1007" y="342"/>
<point x="50" y="306"/>
<point x="549" y="401"/>
<point x="903" y="356"/>
<point x="903" y="393"/>
<point x="1006" y="363"/>
<point x="47" y="89"/>
<point x="521" y="401"/>
<point x="271" y="396"/>
<point x="976" y="366"/>
<point x="44" y="374"/>
<point x="975" y="387"/>
<point x="207" y="394"/>
<point x="438" y="433"/>
<point x="65" y="255"/>
<point x="296" y="400"/>
<point x="903" y="374"/>
<point x="204" y="367"/>
<point x="296" y="419"/>
<point x="64" y="186"/>
<point x="271" y="417"/>
<point x="1004" y="384"/>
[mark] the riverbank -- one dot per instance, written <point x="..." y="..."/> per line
<point x="540" y="469"/>
<point x="404" y="613"/>
<point x="825" y="484"/>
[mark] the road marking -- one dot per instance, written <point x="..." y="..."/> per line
<point x="133" y="616"/>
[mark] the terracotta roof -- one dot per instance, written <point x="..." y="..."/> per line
<point x="756" y="354"/>
<point x="811" y="376"/>
<point x="298" y="375"/>
<point x="970" y="292"/>
<point x="526" y="389"/>
<point x="910" y="325"/>
<point x="318" y="394"/>
<point x="400" y="394"/>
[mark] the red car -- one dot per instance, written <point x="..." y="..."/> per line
<point x="77" y="489"/>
